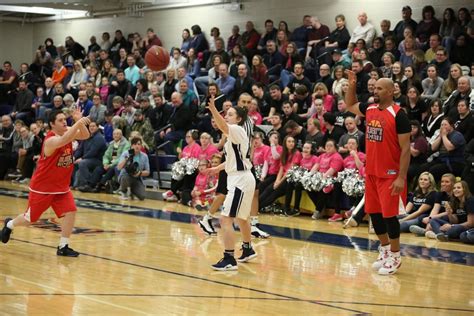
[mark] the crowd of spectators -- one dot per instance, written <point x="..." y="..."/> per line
<point x="297" y="84"/>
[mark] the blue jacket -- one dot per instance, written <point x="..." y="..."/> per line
<point x="92" y="148"/>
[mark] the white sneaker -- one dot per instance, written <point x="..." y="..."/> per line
<point x="258" y="233"/>
<point x="172" y="198"/>
<point x="123" y="196"/>
<point x="384" y="253"/>
<point x="430" y="234"/>
<point x="391" y="265"/>
<point x="206" y="225"/>
<point x="316" y="215"/>
<point x="351" y="222"/>
<point x="167" y="194"/>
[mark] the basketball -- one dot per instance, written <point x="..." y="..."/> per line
<point x="157" y="58"/>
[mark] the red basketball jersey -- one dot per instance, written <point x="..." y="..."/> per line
<point x="53" y="173"/>
<point x="382" y="147"/>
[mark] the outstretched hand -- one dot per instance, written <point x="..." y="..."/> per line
<point x="77" y="114"/>
<point x="351" y="77"/>
<point x="211" y="105"/>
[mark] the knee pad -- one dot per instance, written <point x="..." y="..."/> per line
<point x="393" y="227"/>
<point x="378" y="223"/>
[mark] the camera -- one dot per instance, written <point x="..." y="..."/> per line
<point x="131" y="167"/>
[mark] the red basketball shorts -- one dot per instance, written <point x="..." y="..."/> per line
<point x="39" y="203"/>
<point x="379" y="198"/>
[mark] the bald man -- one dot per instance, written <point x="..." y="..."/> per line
<point x="364" y="30"/>
<point x="388" y="157"/>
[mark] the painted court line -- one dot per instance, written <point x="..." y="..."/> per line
<point x="137" y="265"/>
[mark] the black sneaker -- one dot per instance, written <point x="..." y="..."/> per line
<point x="227" y="263"/>
<point x="292" y="212"/>
<point x="277" y="210"/>
<point x="67" y="252"/>
<point x="247" y="254"/>
<point x="6" y="232"/>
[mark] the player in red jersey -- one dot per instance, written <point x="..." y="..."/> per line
<point x="49" y="186"/>
<point x="387" y="159"/>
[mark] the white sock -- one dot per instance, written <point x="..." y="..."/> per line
<point x="395" y="254"/>
<point x="10" y="224"/>
<point x="253" y="220"/>
<point x="63" y="241"/>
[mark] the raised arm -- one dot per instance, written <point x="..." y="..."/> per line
<point x="351" y="95"/>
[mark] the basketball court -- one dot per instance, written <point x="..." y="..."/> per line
<point x="142" y="258"/>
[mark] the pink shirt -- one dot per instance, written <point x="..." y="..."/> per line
<point x="273" y="164"/>
<point x="308" y="162"/>
<point x="259" y="155"/>
<point x="327" y="161"/>
<point x="349" y="163"/>
<point x="328" y="102"/>
<point x="191" y="151"/>
<point x="256" y="118"/>
<point x="208" y="152"/>
<point x="201" y="182"/>
<point x="294" y="159"/>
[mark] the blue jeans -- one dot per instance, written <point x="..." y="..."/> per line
<point x="405" y="226"/>
<point x="453" y="233"/>
<point x="285" y="78"/>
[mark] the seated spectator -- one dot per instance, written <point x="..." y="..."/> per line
<point x="411" y="79"/>
<point x="243" y="83"/>
<point x="362" y="78"/>
<point x="314" y="134"/>
<point x="317" y="34"/>
<point x="317" y="110"/>
<point x="302" y="101"/>
<point x="333" y="131"/>
<point x="120" y="86"/>
<point x="338" y="39"/>
<point x="300" y="34"/>
<point x="399" y="98"/>
<point x="203" y="81"/>
<point x="291" y="82"/>
<point x="289" y="114"/>
<point x="442" y="62"/>
<point x="297" y="131"/>
<point x="434" y="44"/>
<point x="420" y="203"/>
<point x="325" y="76"/>
<point x="464" y="123"/>
<point x="406" y="21"/>
<point x="219" y="50"/>
<point x="409" y="48"/>
<point x="451" y="83"/>
<point x="414" y="105"/>
<point x="352" y="132"/>
<point x="177" y="60"/>
<point x="364" y="30"/>
<point x="225" y="82"/>
<point x="307" y="162"/>
<point x="463" y="91"/>
<point x="188" y="96"/>
<point x="432" y="85"/>
<point x="339" y="78"/>
<point x="249" y="40"/>
<point x="376" y="52"/>
<point x="459" y="215"/>
<point x="185" y="185"/>
<point x="234" y="38"/>
<point x="418" y="150"/>
<point x="449" y="28"/>
<point x="273" y="60"/>
<point x="254" y="112"/>
<point x="180" y="120"/>
<point x="59" y="71"/>
<point x="462" y="51"/>
<point x="208" y="149"/>
<point x="88" y="157"/>
<point x="329" y="164"/>
<point x="193" y="66"/>
<point x="97" y="111"/>
<point x="170" y="84"/>
<point x="271" y="164"/>
<point x="6" y="142"/>
<point x="262" y="97"/>
<point x="22" y="110"/>
<point x="104" y="175"/>
<point x="391" y="47"/>
<point x="32" y="154"/>
<point x="438" y="211"/>
<point x="450" y="144"/>
<point x="142" y="125"/>
<point x="432" y="121"/>
<point x="290" y="157"/>
<point x="259" y="70"/>
<point x="131" y="178"/>
<point x="203" y="187"/>
<point x="260" y="150"/>
<point x="338" y="59"/>
<point x="428" y="25"/>
<point x="386" y="69"/>
<point x="276" y="122"/>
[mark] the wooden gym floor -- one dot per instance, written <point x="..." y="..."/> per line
<point x="144" y="258"/>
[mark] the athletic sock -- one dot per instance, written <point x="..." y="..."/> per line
<point x="246" y="245"/>
<point x="63" y="241"/>
<point x="229" y="253"/>
<point x="395" y="253"/>
<point x="253" y="220"/>
<point x="10" y="225"/>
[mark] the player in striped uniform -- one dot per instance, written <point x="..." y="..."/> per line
<point x="240" y="185"/>
<point x="206" y="222"/>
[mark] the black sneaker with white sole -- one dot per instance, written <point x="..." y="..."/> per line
<point x="292" y="212"/>
<point x="247" y="255"/>
<point x="67" y="252"/>
<point x="227" y="263"/>
<point x="257" y="232"/>
<point x="6" y="232"/>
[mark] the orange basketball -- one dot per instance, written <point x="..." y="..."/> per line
<point x="157" y="58"/>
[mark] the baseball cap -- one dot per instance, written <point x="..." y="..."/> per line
<point x="336" y="51"/>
